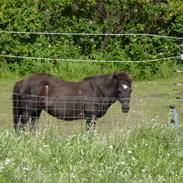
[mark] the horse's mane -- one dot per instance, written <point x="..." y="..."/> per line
<point x="125" y="76"/>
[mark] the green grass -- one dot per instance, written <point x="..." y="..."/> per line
<point x="150" y="153"/>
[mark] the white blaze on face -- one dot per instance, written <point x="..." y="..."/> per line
<point x="125" y="86"/>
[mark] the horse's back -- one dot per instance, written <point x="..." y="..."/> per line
<point x="43" y="78"/>
<point x="35" y="84"/>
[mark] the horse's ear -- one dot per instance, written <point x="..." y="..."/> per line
<point x="115" y="76"/>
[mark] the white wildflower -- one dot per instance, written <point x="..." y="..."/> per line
<point x="123" y="163"/>
<point x="7" y="161"/>
<point x="111" y="147"/>
<point x="129" y="152"/>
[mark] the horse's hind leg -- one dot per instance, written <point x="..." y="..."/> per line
<point x="34" y="119"/>
<point x="16" y="124"/>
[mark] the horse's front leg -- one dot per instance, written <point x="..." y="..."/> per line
<point x="34" y="119"/>
<point x="91" y="123"/>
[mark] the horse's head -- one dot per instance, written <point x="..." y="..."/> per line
<point x="123" y="90"/>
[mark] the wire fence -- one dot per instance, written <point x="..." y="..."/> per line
<point x="172" y="58"/>
<point x="142" y="110"/>
<point x="93" y="61"/>
<point x="91" y="34"/>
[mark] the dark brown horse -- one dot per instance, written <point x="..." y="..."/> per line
<point x="88" y="99"/>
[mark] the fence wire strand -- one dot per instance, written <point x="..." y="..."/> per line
<point x="90" y="60"/>
<point x="91" y="34"/>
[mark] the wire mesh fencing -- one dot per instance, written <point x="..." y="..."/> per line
<point x="68" y="114"/>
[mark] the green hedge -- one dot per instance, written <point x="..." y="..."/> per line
<point x="92" y="16"/>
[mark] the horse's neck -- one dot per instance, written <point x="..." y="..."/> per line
<point x="110" y="86"/>
<point x="106" y="88"/>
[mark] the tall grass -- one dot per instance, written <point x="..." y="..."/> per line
<point x="146" y="154"/>
<point x="78" y="71"/>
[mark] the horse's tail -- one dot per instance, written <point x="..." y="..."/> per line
<point x="17" y="109"/>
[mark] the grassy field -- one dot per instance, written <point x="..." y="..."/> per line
<point x="133" y="147"/>
<point x="150" y="153"/>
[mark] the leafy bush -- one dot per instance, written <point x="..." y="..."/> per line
<point x="93" y="16"/>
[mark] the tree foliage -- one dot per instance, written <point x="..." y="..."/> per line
<point x="92" y="16"/>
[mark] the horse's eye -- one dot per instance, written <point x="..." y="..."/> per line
<point x="119" y="90"/>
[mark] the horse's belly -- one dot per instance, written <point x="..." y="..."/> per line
<point x="66" y="112"/>
<point x="67" y="117"/>
<point x="68" y="109"/>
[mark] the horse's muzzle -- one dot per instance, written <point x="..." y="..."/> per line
<point x="125" y="104"/>
<point x="125" y="109"/>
